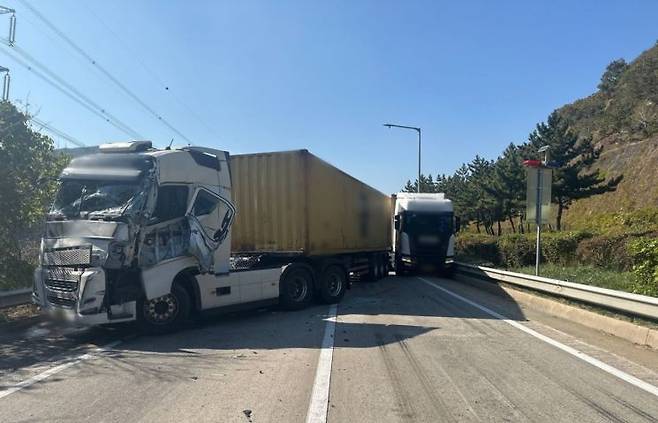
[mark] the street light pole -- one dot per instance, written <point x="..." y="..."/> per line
<point x="418" y="130"/>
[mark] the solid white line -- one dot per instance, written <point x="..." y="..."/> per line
<point x="317" y="408"/>
<point x="56" y="369"/>
<point x="574" y="352"/>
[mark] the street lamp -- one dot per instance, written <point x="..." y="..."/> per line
<point x="390" y="125"/>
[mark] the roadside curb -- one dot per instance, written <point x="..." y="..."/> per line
<point x="636" y="334"/>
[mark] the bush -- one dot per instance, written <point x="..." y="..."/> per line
<point x="560" y="247"/>
<point x="606" y="251"/>
<point x="644" y="253"/>
<point x="15" y="273"/>
<point x="516" y="250"/>
<point x="478" y="248"/>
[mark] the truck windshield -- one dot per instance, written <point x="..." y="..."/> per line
<point x="94" y="199"/>
<point x="427" y="223"/>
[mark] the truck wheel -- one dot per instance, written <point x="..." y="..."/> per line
<point x="296" y="288"/>
<point x="333" y="284"/>
<point x="166" y="313"/>
<point x="399" y="268"/>
<point x="374" y="271"/>
<point x="383" y="262"/>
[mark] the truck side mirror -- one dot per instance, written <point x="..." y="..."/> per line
<point x="396" y="221"/>
<point x="458" y="223"/>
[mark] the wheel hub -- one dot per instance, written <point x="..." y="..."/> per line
<point x="162" y="309"/>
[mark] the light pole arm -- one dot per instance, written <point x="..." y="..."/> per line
<point x="391" y="125"/>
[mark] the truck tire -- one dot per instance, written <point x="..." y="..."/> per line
<point x="374" y="269"/>
<point x="296" y="287"/>
<point x="166" y="313"/>
<point x="333" y="283"/>
<point x="383" y="262"/>
<point x="399" y="268"/>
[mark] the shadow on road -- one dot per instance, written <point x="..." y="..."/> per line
<point x="388" y="311"/>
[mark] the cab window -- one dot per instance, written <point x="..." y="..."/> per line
<point x="171" y="203"/>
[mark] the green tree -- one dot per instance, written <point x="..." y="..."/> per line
<point x="28" y="171"/>
<point x="573" y="179"/>
<point x="612" y="74"/>
<point x="507" y="184"/>
<point x="427" y="184"/>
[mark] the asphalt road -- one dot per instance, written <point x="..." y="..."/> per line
<point x="402" y="349"/>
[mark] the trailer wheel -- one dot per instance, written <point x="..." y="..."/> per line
<point x="374" y="271"/>
<point x="333" y="283"/>
<point x="166" y="313"/>
<point x="383" y="263"/>
<point x="296" y="287"/>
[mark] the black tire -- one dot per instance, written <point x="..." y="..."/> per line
<point x="332" y="284"/>
<point x="371" y="276"/>
<point x="399" y="268"/>
<point x="383" y="261"/>
<point x="164" y="314"/>
<point x="296" y="287"/>
<point x="447" y="271"/>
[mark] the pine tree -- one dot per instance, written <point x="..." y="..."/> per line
<point x="507" y="183"/>
<point x="573" y="179"/>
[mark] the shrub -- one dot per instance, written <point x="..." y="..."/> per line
<point x="644" y="253"/>
<point x="560" y="247"/>
<point x="477" y="247"/>
<point x="606" y="251"/>
<point x="516" y="250"/>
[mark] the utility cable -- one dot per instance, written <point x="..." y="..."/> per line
<point x="154" y="75"/>
<point x="69" y="90"/>
<point x="57" y="132"/>
<point x="104" y="71"/>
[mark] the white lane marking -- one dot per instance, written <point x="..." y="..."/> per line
<point x="579" y="354"/>
<point x="10" y="389"/>
<point x="317" y="408"/>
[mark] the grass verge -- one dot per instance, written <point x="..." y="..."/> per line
<point x="587" y="275"/>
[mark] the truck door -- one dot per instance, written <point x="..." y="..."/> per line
<point x="210" y="217"/>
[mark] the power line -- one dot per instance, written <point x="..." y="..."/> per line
<point x="57" y="132"/>
<point x="104" y="71"/>
<point x="67" y="89"/>
<point x="153" y="74"/>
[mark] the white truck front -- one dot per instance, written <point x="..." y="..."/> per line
<point x="127" y="224"/>
<point x="423" y="232"/>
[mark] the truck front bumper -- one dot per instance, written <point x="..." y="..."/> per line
<point x="76" y="296"/>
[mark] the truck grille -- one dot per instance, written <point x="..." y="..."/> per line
<point x="73" y="256"/>
<point x="62" y="279"/>
<point x="62" y="286"/>
<point x="61" y="302"/>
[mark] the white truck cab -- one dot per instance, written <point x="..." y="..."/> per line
<point x="423" y="232"/>
<point x="137" y="233"/>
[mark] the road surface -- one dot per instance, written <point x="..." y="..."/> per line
<point x="402" y="349"/>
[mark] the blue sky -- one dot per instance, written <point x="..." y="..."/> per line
<point x="249" y="76"/>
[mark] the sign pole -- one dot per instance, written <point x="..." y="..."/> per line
<point x="538" y="219"/>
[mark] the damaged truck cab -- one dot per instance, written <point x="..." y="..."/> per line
<point x="136" y="234"/>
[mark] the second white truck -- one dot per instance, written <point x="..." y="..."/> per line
<point x="423" y="233"/>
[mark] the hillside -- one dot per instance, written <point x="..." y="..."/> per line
<point x="622" y="118"/>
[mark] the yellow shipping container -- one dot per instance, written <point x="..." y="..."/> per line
<point x="294" y="202"/>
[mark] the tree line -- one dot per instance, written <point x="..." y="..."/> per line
<point x="487" y="193"/>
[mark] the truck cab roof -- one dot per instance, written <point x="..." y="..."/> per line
<point x="422" y="202"/>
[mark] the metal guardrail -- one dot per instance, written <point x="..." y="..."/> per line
<point x="15" y="297"/>
<point x="632" y="304"/>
